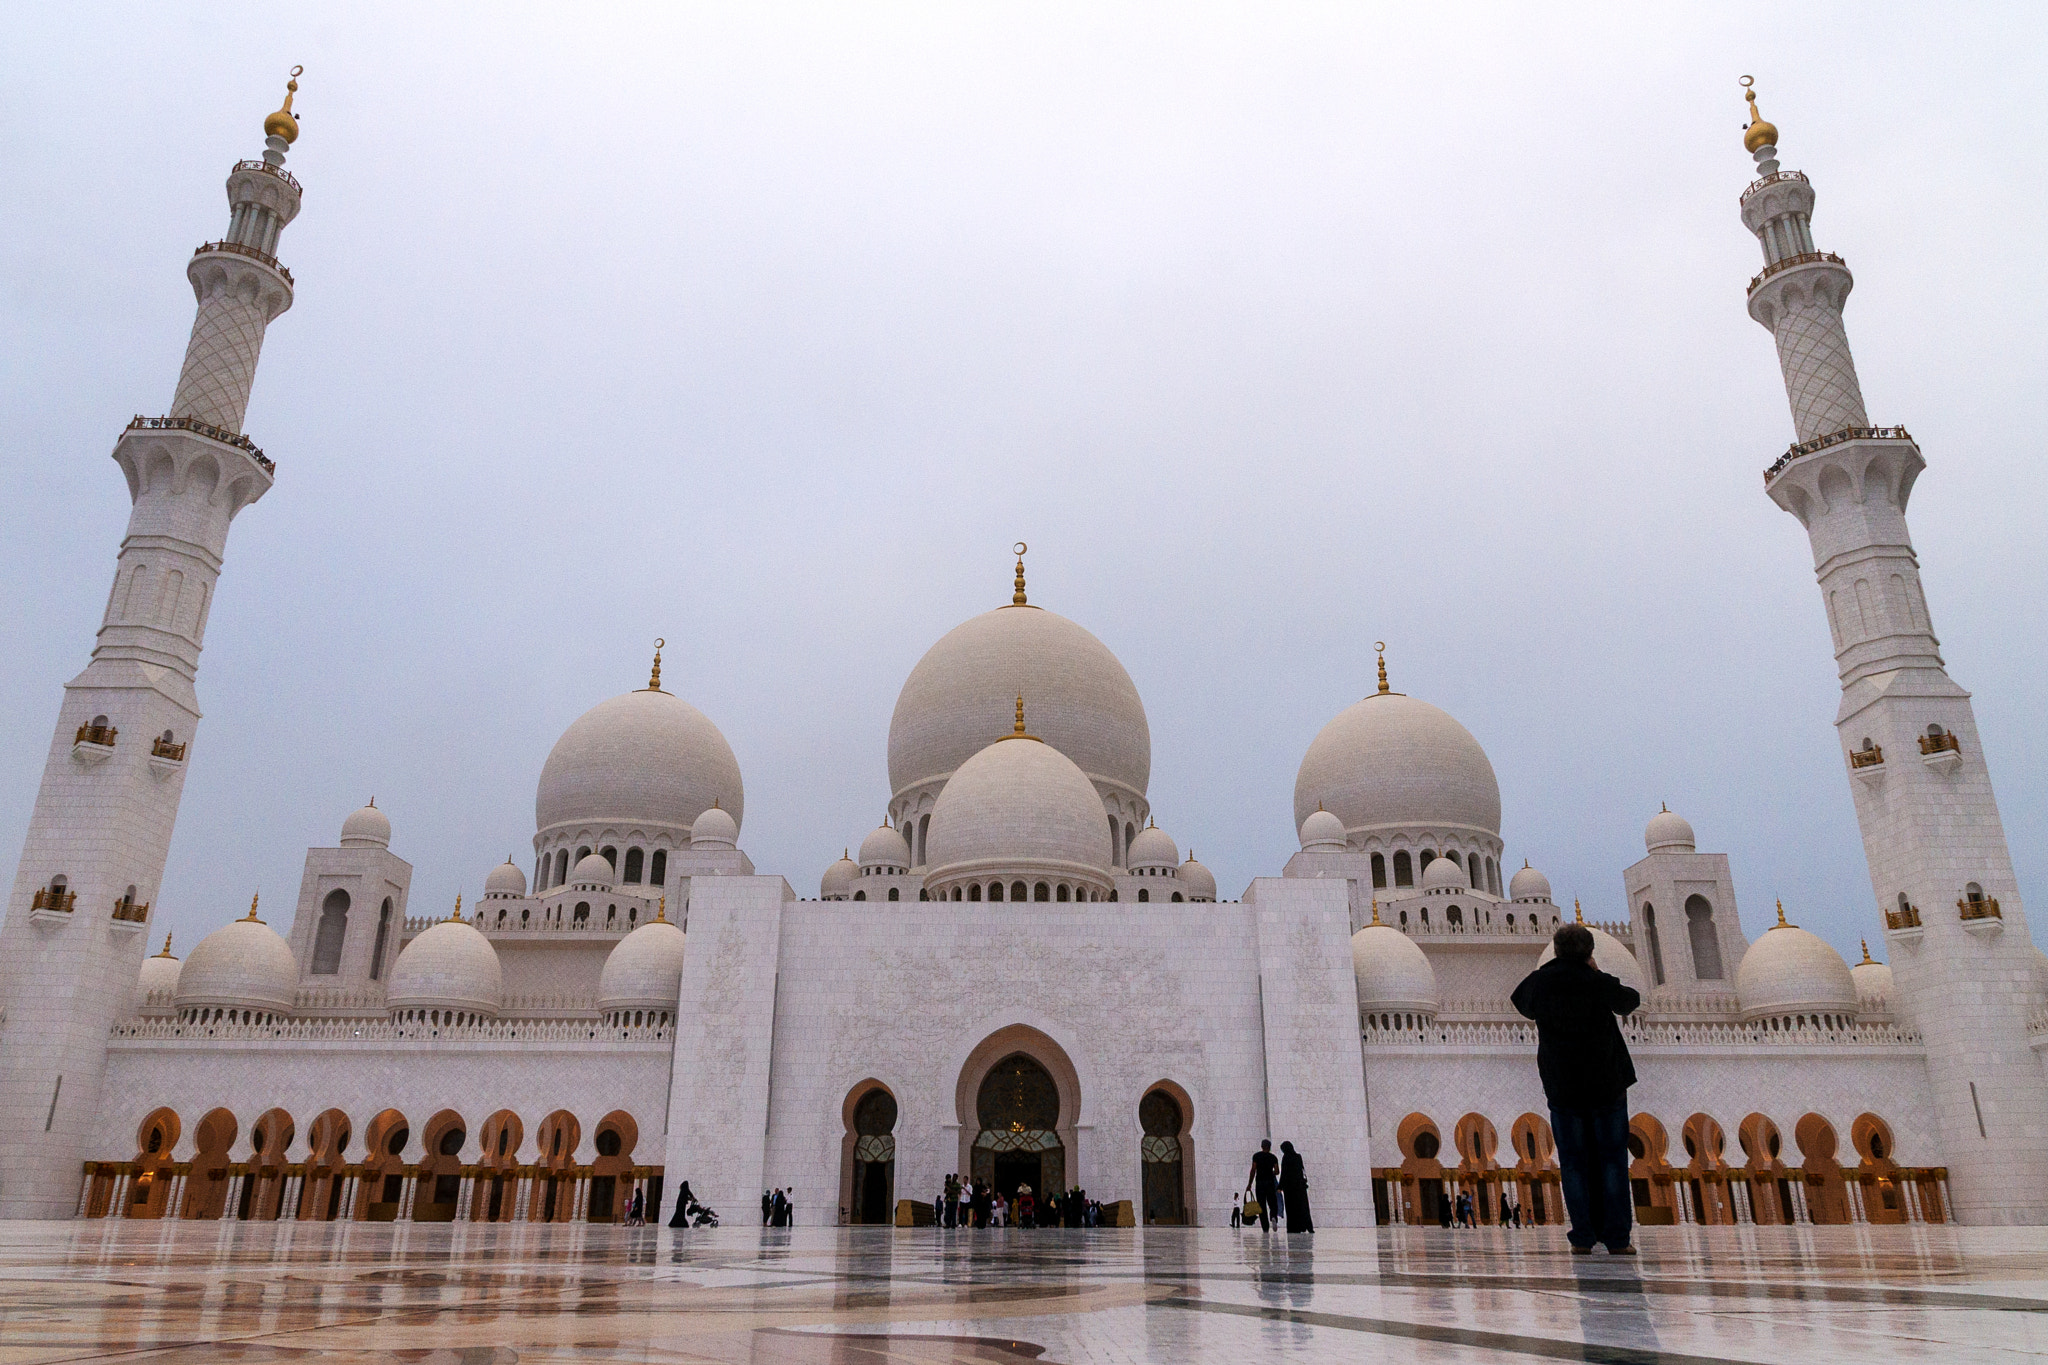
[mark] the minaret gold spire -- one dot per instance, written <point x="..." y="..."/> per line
<point x="1578" y="915"/>
<point x="252" y="907"/>
<point x="284" y="123"/>
<point x="1782" y="924"/>
<point x="654" y="678"/>
<point x="1759" y="134"/>
<point x="1380" y="648"/>
<point x="167" y="948"/>
<point x="1017" y="597"/>
<point x="456" y="913"/>
<point x="1868" y="960"/>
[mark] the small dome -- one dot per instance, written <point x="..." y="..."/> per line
<point x="1790" y="971"/>
<point x="1392" y="972"/>
<point x="645" y="970"/>
<point x="593" y="869"/>
<point x="1612" y="958"/>
<point x="1322" y="832"/>
<point x="505" y="880"/>
<point x="837" y="883"/>
<point x="1444" y="874"/>
<point x="714" y="828"/>
<point x="1199" y="881"/>
<point x="450" y="966"/>
<point x="159" y="973"/>
<point x="1529" y="885"/>
<point x="240" y="965"/>
<point x="1668" y="832"/>
<point x="1391" y="762"/>
<point x="645" y="757"/>
<point x="1019" y="804"/>
<point x="884" y="848"/>
<point x="1152" y="848"/>
<point x="367" y="828"/>
<point x="1874" y="981"/>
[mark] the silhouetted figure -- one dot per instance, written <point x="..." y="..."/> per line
<point x="1294" y="1190"/>
<point x="1586" y="1074"/>
<point x="683" y="1201"/>
<point x="1263" y="1184"/>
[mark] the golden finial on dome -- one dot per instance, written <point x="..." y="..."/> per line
<point x="456" y="913"/>
<point x="654" y="679"/>
<point x="167" y="947"/>
<point x="1017" y="597"/>
<point x="1782" y="924"/>
<point x="1380" y="648"/>
<point x="1375" y="909"/>
<point x="284" y="123"/>
<point x="1759" y="134"/>
<point x="1018" y="731"/>
<point x="661" y="911"/>
<point x="1578" y="915"/>
<point x="251" y="917"/>
<point x="1868" y="960"/>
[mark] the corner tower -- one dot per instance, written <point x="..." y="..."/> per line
<point x="72" y="944"/>
<point x="1936" y="848"/>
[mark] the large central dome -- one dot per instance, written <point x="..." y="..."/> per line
<point x="1393" y="761"/>
<point x="964" y="689"/>
<point x="644" y="757"/>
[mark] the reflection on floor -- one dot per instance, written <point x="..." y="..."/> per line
<point x="472" y="1294"/>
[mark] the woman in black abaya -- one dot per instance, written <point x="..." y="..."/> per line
<point x="1294" y="1187"/>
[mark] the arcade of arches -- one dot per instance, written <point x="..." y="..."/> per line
<point x="390" y="1175"/>
<point x="1755" y="1183"/>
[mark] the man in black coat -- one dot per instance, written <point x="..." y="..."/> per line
<point x="1586" y="1075"/>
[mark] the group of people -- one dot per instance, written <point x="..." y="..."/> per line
<point x="1278" y="1185"/>
<point x="968" y="1204"/>
<point x="778" y="1210"/>
<point x="1462" y="1212"/>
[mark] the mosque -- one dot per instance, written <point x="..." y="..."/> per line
<point x="638" y="1004"/>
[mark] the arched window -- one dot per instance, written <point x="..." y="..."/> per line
<point x="561" y="867"/>
<point x="1177" y="896"/>
<point x="1017" y="891"/>
<point x="1422" y="861"/>
<point x="924" y="827"/>
<point x="611" y="855"/>
<point x="331" y="934"/>
<point x="1116" y="852"/>
<point x="995" y="891"/>
<point x="1379" y="871"/>
<point x="1144" y="895"/>
<point x="1706" y="944"/>
<point x="893" y="894"/>
<point x="1041" y="892"/>
<point x="1452" y="854"/>
<point x="973" y="892"/>
<point x="1455" y="915"/>
<point x="1973" y="892"/>
<point x="1656" y="949"/>
<point x="1130" y="833"/>
<point x="860" y="895"/>
<point x="1404" y="870"/>
<point x="657" y="873"/>
<point x="633" y="864"/>
<point x="383" y="938"/>
<point x="1062" y="893"/>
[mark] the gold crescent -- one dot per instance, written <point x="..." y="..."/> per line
<point x="1019" y="548"/>
<point x="660" y="643"/>
<point x="298" y="71"/>
<point x="1748" y="81"/>
<point x="1379" y="646"/>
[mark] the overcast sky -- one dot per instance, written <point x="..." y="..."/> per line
<point x="1276" y="330"/>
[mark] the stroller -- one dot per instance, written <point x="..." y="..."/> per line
<point x="703" y="1216"/>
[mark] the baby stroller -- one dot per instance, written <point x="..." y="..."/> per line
<point x="703" y="1216"/>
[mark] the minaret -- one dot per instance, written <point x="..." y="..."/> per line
<point x="72" y="944"/>
<point x="1939" y="866"/>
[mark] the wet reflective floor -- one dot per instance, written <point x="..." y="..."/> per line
<point x="323" y="1292"/>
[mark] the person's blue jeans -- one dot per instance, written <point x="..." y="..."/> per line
<point x="1592" y="1160"/>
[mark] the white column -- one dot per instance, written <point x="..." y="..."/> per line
<point x="1800" y="1212"/>
<point x="117" y="1202"/>
<point x="1857" y="1213"/>
<point x="233" y="1203"/>
<point x="464" y="1191"/>
<point x="298" y="1196"/>
<point x="522" y="1193"/>
<point x="84" y="1195"/>
<point x="1909" y="1199"/>
<point x="407" y="1188"/>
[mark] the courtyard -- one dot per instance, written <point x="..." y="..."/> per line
<point x="140" y="1291"/>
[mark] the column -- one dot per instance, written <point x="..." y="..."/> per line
<point x="1857" y="1212"/>
<point x="1909" y="1198"/>
<point x="408" y="1186"/>
<point x="298" y="1194"/>
<point x="465" y="1192"/>
<point x="85" y="1190"/>
<point x="231" y="1205"/>
<point x="1800" y="1213"/>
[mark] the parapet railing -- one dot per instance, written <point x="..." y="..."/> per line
<point x="237" y="249"/>
<point x="46" y="899"/>
<point x="1908" y="918"/>
<point x="1942" y="743"/>
<point x="163" y="748"/>
<point x="1835" y="438"/>
<point x="134" y="912"/>
<point x="97" y="734"/>
<point x="1867" y="758"/>
<point x="384" y="1030"/>
<point x="1985" y="907"/>
<point x="282" y="174"/>
<point x="1774" y="178"/>
<point x="1803" y="258"/>
<point x="1653" y="1032"/>
<point x="207" y="429"/>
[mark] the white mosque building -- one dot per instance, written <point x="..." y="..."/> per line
<point x="644" y="1006"/>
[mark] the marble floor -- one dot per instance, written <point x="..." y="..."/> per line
<point x="478" y="1295"/>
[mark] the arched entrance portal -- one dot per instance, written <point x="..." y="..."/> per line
<point x="1162" y="1157"/>
<point x="1018" y="1106"/>
<point x="873" y="1195"/>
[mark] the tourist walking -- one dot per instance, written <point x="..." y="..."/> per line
<point x="1263" y="1184"/>
<point x="1294" y="1190"/>
<point x="1237" y="1210"/>
<point x="1586" y="1072"/>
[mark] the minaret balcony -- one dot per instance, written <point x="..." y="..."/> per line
<point x="1982" y="907"/>
<point x="131" y="912"/>
<point x="1774" y="178"/>
<point x="50" y="902"/>
<point x="1835" y="438"/>
<point x="1944" y="750"/>
<point x="1907" y="917"/>
<point x="94" y="743"/>
<point x="1803" y="258"/>
<point x="206" y="429"/>
<point x="265" y="168"/>
<point x="163" y="748"/>
<point x="237" y="249"/>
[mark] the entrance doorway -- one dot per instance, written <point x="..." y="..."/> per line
<point x="874" y="1158"/>
<point x="1018" y="1107"/>
<point x="1160" y="1158"/>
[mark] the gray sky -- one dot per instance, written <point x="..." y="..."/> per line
<point x="1275" y="330"/>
